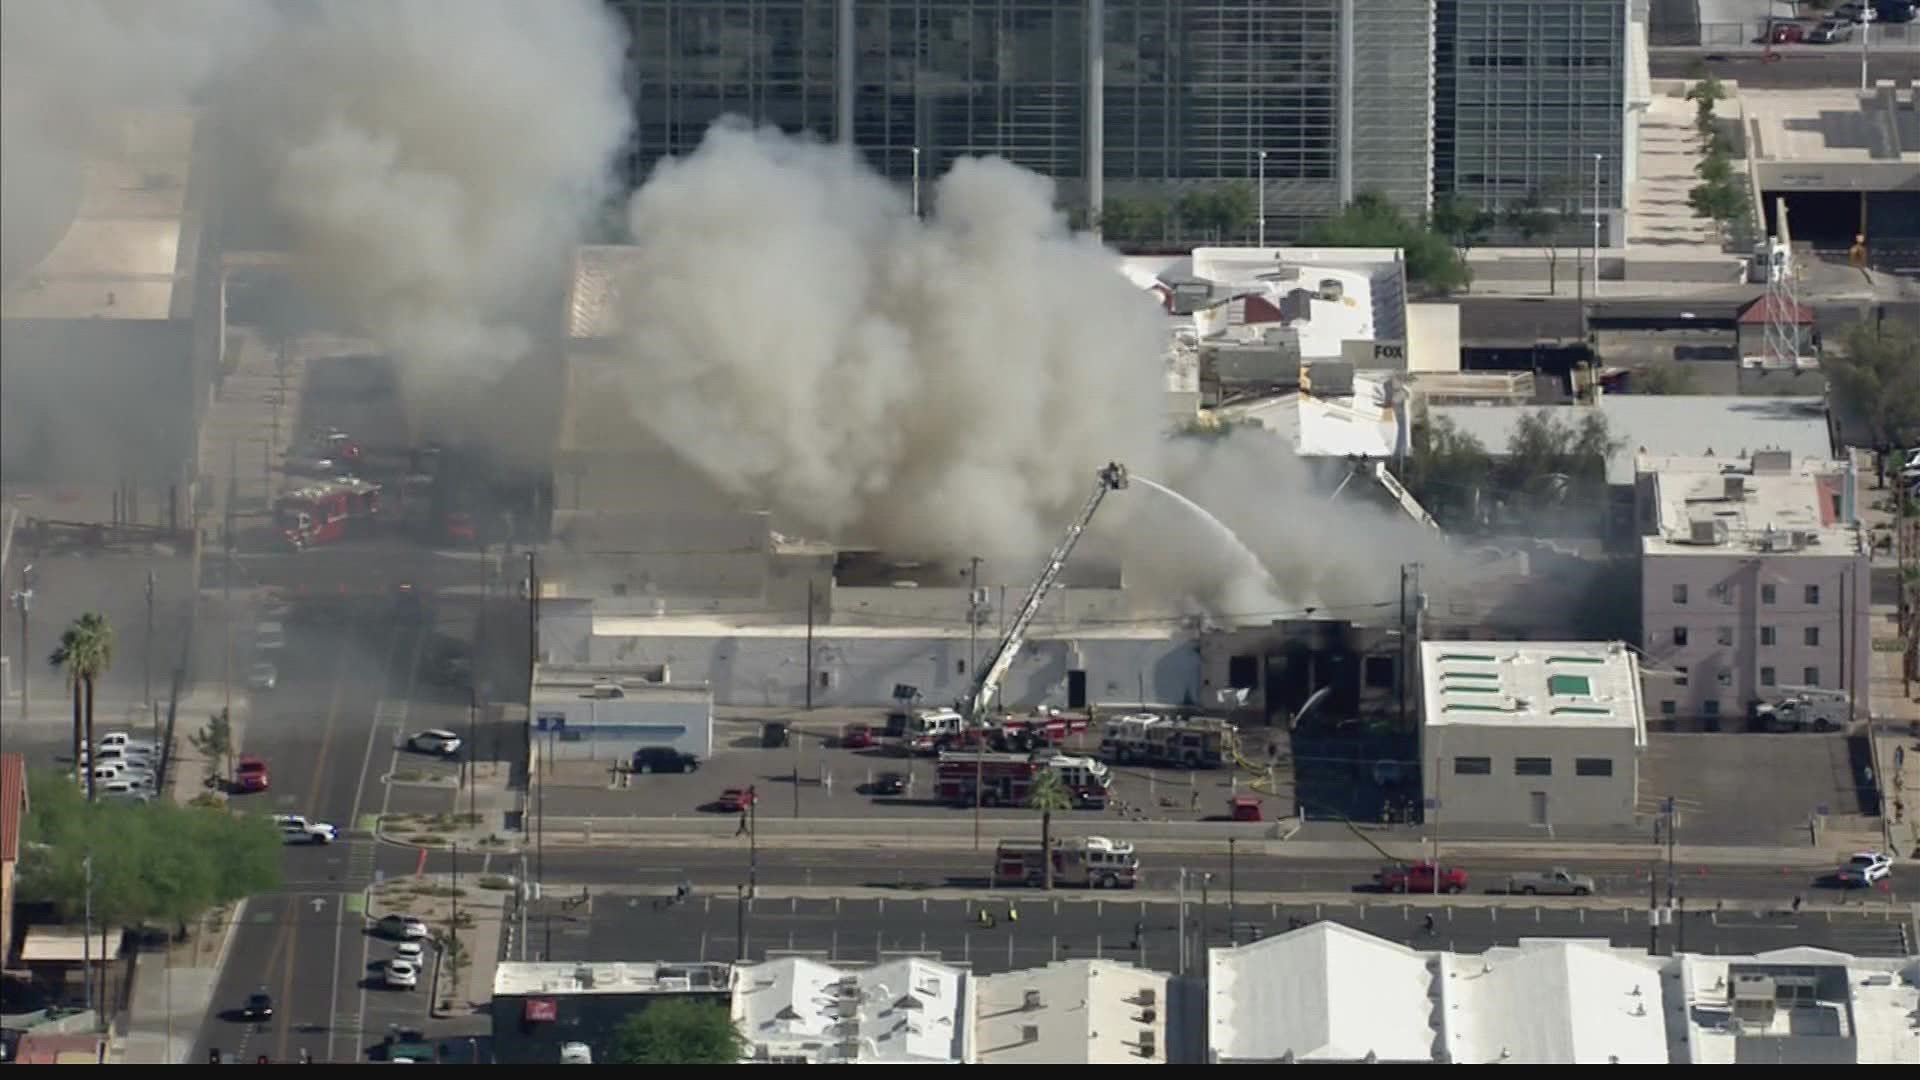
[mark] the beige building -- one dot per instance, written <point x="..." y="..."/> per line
<point x="1538" y="734"/>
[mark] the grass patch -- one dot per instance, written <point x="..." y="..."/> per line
<point x="440" y="892"/>
<point x="431" y="838"/>
<point x="496" y="882"/>
<point x="404" y="775"/>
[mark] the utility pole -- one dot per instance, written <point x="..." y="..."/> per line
<point x="809" y="644"/>
<point x="1405" y="634"/>
<point x="473" y="724"/>
<point x="146" y="659"/>
<point x="753" y="842"/>
<point x="453" y="921"/>
<point x="973" y="663"/>
<point x="86" y="935"/>
<point x="1672" y="883"/>
<point x="739" y="923"/>
<point x="1233" y="925"/>
<point x="23" y="602"/>
<point x="226" y="602"/>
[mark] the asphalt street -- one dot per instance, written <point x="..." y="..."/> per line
<point x="629" y="926"/>
<point x="1799" y="67"/>
<point x="723" y="867"/>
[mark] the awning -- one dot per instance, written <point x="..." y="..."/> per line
<point x="68" y="945"/>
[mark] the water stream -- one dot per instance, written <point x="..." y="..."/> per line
<point x="1246" y="567"/>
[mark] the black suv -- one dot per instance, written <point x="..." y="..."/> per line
<point x="258" y="1007"/>
<point x="663" y="759"/>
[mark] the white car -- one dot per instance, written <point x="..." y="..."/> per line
<point x="298" y="830"/>
<point x="268" y="636"/>
<point x="136" y="755"/>
<point x="1865" y="868"/>
<point x="438" y="741"/>
<point x="411" y="951"/>
<point x="403" y="974"/>
<point x="264" y="676"/>
<point x="121" y="738"/>
<point x="402" y="927"/>
<point x="108" y="771"/>
<point x="125" y="791"/>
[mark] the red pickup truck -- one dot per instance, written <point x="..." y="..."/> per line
<point x="1419" y="878"/>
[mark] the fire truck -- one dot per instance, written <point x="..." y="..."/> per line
<point x="1005" y="779"/>
<point x="929" y="731"/>
<point x="1093" y="862"/>
<point x="1195" y="742"/>
<point x="326" y="513"/>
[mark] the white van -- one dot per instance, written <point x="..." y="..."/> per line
<point x="108" y="771"/>
<point x="268" y="636"/>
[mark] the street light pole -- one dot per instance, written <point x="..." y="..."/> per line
<point x="1867" y="15"/>
<point x="1260" y="195"/>
<point x="1596" y="228"/>
<point x="146" y="659"/>
<point x="916" y="183"/>
<point x="86" y="934"/>
<point x="23" y="601"/>
<point x="1233" y="923"/>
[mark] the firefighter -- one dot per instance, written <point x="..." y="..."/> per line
<point x="1013" y="913"/>
<point x="986" y="918"/>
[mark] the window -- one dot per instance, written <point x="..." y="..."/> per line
<point x="1532" y="766"/>
<point x="1767" y="677"/>
<point x="959" y="667"/>
<point x="1473" y="766"/>
<point x="1711" y="706"/>
<point x="1668" y="708"/>
<point x="1243" y="672"/>
<point x="1811" y="635"/>
<point x="1722" y="593"/>
<point x="1810" y="676"/>
<point x="1593" y="766"/>
<point x="1680" y="636"/>
<point x="1766" y="635"/>
<point x="1767" y="594"/>
<point x="1379" y="672"/>
<point x="1724" y="635"/>
<point x="1679" y="594"/>
<point x="1723" y="677"/>
<point x="1813" y="594"/>
<point x="1680" y="675"/>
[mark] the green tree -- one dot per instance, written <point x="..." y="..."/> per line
<point x="1715" y="168"/>
<point x="1551" y="463"/>
<point x="1048" y="794"/>
<point x="84" y="654"/>
<point x="1125" y="220"/>
<point x="1719" y="203"/>
<point x="1466" y="226"/>
<point x="1447" y="471"/>
<point x="1537" y="223"/>
<point x="1370" y="220"/>
<point x="1875" y="378"/>
<point x="679" y="1031"/>
<point x="1705" y="94"/>
<point x="1218" y="211"/>
<point x="214" y="742"/>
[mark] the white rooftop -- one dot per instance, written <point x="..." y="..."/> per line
<point x="1321" y="993"/>
<point x="1078" y="1012"/>
<point x="1550" y="1002"/>
<point x="1589" y="684"/>
<point x="1726" y="505"/>
<point x="1363" y="424"/>
<point x="1827" y="125"/>
<point x="1855" y="1010"/>
<point x="520" y="978"/>
<point x="709" y="626"/>
<point x="907" y="1011"/>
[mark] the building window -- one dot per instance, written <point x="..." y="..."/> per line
<point x="1379" y="672"/>
<point x="1243" y="672"/>
<point x="1712" y="707"/>
<point x="1811" y="635"/>
<point x="1680" y="637"/>
<point x="1679" y="594"/>
<point x="1810" y="676"/>
<point x="826" y="680"/>
<point x="1723" y="677"/>
<point x="1533" y="766"/>
<point x="1767" y="594"/>
<point x="1593" y="766"/>
<point x="1680" y="675"/>
<point x="959" y="667"/>
<point x="1724" y="635"/>
<point x="1722" y="593"/>
<point x="1473" y="766"/>
<point x="1767" y="677"/>
<point x="1813" y="594"/>
<point x="1766" y="635"/>
<point x="1668" y="708"/>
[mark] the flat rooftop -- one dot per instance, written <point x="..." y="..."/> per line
<point x="709" y="626"/>
<point x="1585" y="684"/>
<point x="905" y="1011"/>
<point x="1248" y="287"/>
<point x="1833" y="126"/>
<point x="1764" y="504"/>
<point x="1833" y="1009"/>
<point x="1081" y="1012"/>
<point x="628" y="977"/>
<point x="552" y="683"/>
<point x="869" y="569"/>
<point x="1361" y="424"/>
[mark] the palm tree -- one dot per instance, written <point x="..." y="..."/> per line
<point x="1046" y="795"/>
<point x="85" y="653"/>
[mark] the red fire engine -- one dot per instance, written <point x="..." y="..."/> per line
<point x="1092" y="862"/>
<point x="1005" y="779"/>
<point x="326" y="513"/>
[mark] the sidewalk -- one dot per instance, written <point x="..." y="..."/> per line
<point x="481" y="902"/>
<point x="1893" y="704"/>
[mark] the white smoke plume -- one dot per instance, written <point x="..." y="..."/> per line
<point x="942" y="387"/>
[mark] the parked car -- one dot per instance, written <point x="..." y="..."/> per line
<point x="264" y="676"/>
<point x="1864" y="868"/>
<point x="126" y="791"/>
<point x="401" y="927"/>
<point x="413" y="949"/>
<point x="402" y="974"/>
<point x="1786" y="34"/>
<point x="1245" y="808"/>
<point x="1558" y="881"/>
<point x="1419" y="878"/>
<point x="1831" y="32"/>
<point x="135" y="755"/>
<point x="888" y="783"/>
<point x="436" y="741"/>
<point x="259" y="1006"/>
<point x="298" y="830"/>
<point x="774" y="735"/>
<point x="121" y="738"/>
<point x="269" y="635"/>
<point x="856" y="737"/>
<point x="251" y="774"/>
<point x="735" y="800"/>
<point x="663" y="759"/>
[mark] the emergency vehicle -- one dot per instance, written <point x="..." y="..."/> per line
<point x="1194" y="742"/>
<point x="1092" y="862"/>
<point x="927" y="731"/>
<point x="326" y="513"/>
<point x="1006" y="779"/>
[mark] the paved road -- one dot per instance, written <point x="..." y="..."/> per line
<point x="722" y="867"/>
<point x="617" y="926"/>
<point x="1799" y="67"/>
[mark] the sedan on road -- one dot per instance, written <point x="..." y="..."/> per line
<point x="251" y="774"/>
<point x="437" y="741"/>
<point x="259" y="1006"/>
<point x="401" y="927"/>
<point x="402" y="974"/>
<point x="1865" y="868"/>
<point x="412" y="950"/>
<point x="734" y="800"/>
<point x="264" y="676"/>
<point x="888" y="784"/>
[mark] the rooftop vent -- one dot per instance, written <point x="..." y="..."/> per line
<point x="1148" y="1044"/>
<point x="606" y="690"/>
<point x="1772" y="461"/>
<point x="1029" y="1033"/>
<point x="1706" y="531"/>
<point x="1734" y="487"/>
<point x="1031" y="1001"/>
<point x="1332" y="289"/>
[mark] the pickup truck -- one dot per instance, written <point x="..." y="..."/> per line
<point x="1419" y="878"/>
<point x="1558" y="881"/>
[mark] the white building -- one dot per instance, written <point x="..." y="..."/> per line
<point x="1799" y="1006"/>
<point x="1754" y="575"/>
<point x="1323" y="993"/>
<point x="908" y="1012"/>
<point x="1531" y="733"/>
<point x="607" y="713"/>
<point x="1553" y="1002"/>
<point x="1074" y="1012"/>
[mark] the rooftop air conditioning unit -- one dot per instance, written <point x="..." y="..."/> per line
<point x="1029" y="1033"/>
<point x="1148" y="1044"/>
<point x="1734" y="487"/>
<point x="1147" y="996"/>
<point x="1705" y="531"/>
<point x="1031" y="1000"/>
<point x="606" y="690"/>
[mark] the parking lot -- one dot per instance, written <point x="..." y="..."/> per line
<point x="833" y="782"/>
<point x="1746" y="787"/>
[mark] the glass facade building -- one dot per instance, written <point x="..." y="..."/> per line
<point x="1339" y="94"/>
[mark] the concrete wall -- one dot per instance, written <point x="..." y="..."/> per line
<point x="1433" y="337"/>
<point x="862" y="671"/>
<point x="577" y="728"/>
<point x="1726" y="618"/>
<point x="1289" y="660"/>
<point x="1505" y="798"/>
<point x="96" y="401"/>
<point x="883" y="606"/>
